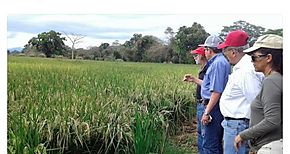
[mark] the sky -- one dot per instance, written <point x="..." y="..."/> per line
<point x="106" y="28"/>
<point x="108" y="20"/>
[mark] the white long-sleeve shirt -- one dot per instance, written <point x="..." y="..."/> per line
<point x="243" y="86"/>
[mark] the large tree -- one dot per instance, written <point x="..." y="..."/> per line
<point x="74" y="39"/>
<point x="48" y="42"/>
<point x="188" y="38"/>
<point x="253" y="31"/>
<point x="136" y="47"/>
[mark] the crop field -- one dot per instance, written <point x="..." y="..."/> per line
<point x="77" y="106"/>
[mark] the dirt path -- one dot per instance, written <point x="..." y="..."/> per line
<point x="187" y="136"/>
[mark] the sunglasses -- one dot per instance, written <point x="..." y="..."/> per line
<point x="254" y="58"/>
<point x="206" y="48"/>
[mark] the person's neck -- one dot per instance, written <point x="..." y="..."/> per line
<point x="202" y="64"/>
<point x="240" y="56"/>
<point x="268" y="70"/>
<point x="211" y="55"/>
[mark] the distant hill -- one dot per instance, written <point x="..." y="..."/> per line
<point x="16" y="49"/>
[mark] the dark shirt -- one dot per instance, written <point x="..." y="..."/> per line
<point x="198" y="88"/>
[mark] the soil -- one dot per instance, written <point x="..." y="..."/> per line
<point x="187" y="136"/>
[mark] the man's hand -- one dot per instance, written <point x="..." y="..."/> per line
<point x="206" y="119"/>
<point x="237" y="143"/>
<point x="188" y="78"/>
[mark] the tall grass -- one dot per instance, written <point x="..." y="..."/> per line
<point x="149" y="133"/>
<point x="61" y="106"/>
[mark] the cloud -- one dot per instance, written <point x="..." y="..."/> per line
<point x="98" y="27"/>
<point x="11" y="35"/>
<point x="111" y="27"/>
<point x="89" y="25"/>
<point x="18" y="39"/>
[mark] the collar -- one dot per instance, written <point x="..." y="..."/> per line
<point x="211" y="60"/>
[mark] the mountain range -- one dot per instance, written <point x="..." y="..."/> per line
<point x="15" y="49"/>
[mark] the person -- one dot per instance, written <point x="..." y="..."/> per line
<point x="214" y="82"/>
<point x="265" y="133"/>
<point x="200" y="59"/>
<point x="243" y="86"/>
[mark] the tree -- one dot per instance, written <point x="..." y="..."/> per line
<point x="74" y="39"/>
<point x="104" y="50"/>
<point x="47" y="42"/>
<point x="169" y="44"/>
<point x="156" y="53"/>
<point x="66" y="52"/>
<point x="274" y="31"/>
<point x="104" y="46"/>
<point x="188" y="38"/>
<point x="137" y="46"/>
<point x="253" y="31"/>
<point x="95" y="52"/>
<point x="170" y="35"/>
<point x="116" y="43"/>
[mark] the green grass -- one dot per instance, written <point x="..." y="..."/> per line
<point x="67" y="105"/>
<point x="175" y="149"/>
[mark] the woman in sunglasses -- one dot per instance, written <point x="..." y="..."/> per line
<point x="266" y="124"/>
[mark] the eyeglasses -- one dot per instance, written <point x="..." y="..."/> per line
<point x="227" y="49"/>
<point x="254" y="58"/>
<point x="194" y="56"/>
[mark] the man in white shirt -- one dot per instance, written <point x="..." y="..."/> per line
<point x="243" y="86"/>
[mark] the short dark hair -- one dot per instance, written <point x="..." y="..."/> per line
<point x="277" y="58"/>
<point x="215" y="49"/>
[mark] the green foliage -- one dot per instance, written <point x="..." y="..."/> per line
<point x="47" y="42"/>
<point x="187" y="39"/>
<point x="24" y="132"/>
<point x="149" y="133"/>
<point x="138" y="45"/>
<point x="275" y="31"/>
<point x="60" y="106"/>
<point x="104" y="46"/>
<point x="253" y="31"/>
<point x="174" y="49"/>
<point x="177" y="149"/>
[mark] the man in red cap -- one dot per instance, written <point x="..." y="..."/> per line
<point x="243" y="86"/>
<point x="200" y="59"/>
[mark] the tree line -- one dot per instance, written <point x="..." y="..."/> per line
<point x="148" y="48"/>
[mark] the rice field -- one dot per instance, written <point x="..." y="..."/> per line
<point x="71" y="106"/>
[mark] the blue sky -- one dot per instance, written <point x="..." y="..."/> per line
<point x="101" y="28"/>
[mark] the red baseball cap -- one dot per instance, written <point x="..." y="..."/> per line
<point x="199" y="50"/>
<point x="235" y="39"/>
